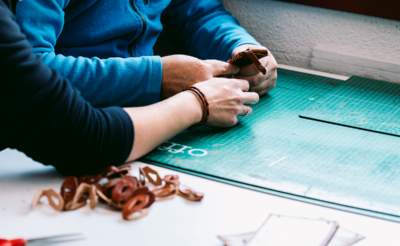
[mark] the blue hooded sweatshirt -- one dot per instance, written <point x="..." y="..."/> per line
<point x="105" y="47"/>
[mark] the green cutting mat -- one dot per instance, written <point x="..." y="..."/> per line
<point x="321" y="163"/>
<point x="361" y="103"/>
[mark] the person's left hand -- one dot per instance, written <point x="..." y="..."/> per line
<point x="258" y="82"/>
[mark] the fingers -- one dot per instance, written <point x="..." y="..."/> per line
<point x="253" y="80"/>
<point x="243" y="85"/>
<point x="264" y="87"/>
<point x="251" y="69"/>
<point x="250" y="98"/>
<point x="218" y="68"/>
<point x="227" y="100"/>
<point x="263" y="92"/>
<point x="245" y="111"/>
<point x="262" y="83"/>
<point x="252" y="74"/>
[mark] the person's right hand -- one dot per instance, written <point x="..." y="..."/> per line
<point x="181" y="71"/>
<point x="227" y="99"/>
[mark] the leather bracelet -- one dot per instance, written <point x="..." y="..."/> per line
<point x="205" y="106"/>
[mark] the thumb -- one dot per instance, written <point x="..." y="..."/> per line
<point x="218" y="68"/>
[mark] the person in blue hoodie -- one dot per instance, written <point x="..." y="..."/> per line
<point x="45" y="117"/>
<point x="105" y="48"/>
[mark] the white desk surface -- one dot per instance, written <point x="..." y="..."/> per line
<point x="225" y="209"/>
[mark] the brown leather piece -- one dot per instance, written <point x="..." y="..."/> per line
<point x="146" y="173"/>
<point x="50" y="194"/>
<point x="165" y="193"/>
<point x="104" y="198"/>
<point x="68" y="189"/>
<point x="169" y="190"/>
<point x="145" y="190"/>
<point x="142" y="198"/>
<point x="118" y="191"/>
<point x="83" y="193"/>
<point x="189" y="194"/>
<point x="142" y="179"/>
<point x="171" y="179"/>
<point x="90" y="179"/>
<point x="122" y="191"/>
<point x="136" y="204"/>
<point x="114" y="172"/>
<point x="250" y="56"/>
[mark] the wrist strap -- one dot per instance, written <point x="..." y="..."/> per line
<point x="205" y="107"/>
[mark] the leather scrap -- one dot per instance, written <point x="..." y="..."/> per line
<point x="50" y="194"/>
<point x="116" y="187"/>
<point x="90" y="179"/>
<point x="83" y="193"/>
<point x="114" y="172"/>
<point x="124" y="189"/>
<point x="68" y="189"/>
<point x="169" y="190"/>
<point x="250" y="56"/>
<point x="146" y="173"/>
<point x="142" y="198"/>
<point x="189" y="194"/>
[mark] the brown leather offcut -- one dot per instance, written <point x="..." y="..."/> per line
<point x="190" y="194"/>
<point x="83" y="193"/>
<point x="123" y="190"/>
<point x="50" y="194"/>
<point x="68" y="189"/>
<point x="116" y="187"/>
<point x="250" y="56"/>
<point x="146" y="171"/>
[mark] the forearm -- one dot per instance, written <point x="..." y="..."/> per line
<point x="102" y="82"/>
<point x="44" y="117"/>
<point x="112" y="81"/>
<point x="195" y="23"/>
<point x="157" y="123"/>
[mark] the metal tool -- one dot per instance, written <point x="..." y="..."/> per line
<point x="42" y="241"/>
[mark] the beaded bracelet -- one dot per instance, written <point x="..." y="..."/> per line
<point x="206" y="108"/>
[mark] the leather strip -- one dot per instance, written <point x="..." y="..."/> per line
<point x="190" y="194"/>
<point x="121" y="191"/>
<point x="146" y="173"/>
<point x="104" y="198"/>
<point x="68" y="189"/>
<point x="145" y="190"/>
<point x="255" y="61"/>
<point x="49" y="194"/>
<point x="114" y="172"/>
<point x="250" y="56"/>
<point x="84" y="192"/>
<point x="90" y="179"/>
<point x="165" y="193"/>
<point x="171" y="179"/>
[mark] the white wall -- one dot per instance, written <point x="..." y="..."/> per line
<point x="322" y="39"/>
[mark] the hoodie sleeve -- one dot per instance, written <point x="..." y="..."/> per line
<point x="205" y="28"/>
<point x="102" y="82"/>
<point x="43" y="116"/>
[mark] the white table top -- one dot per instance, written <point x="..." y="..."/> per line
<point x="225" y="209"/>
